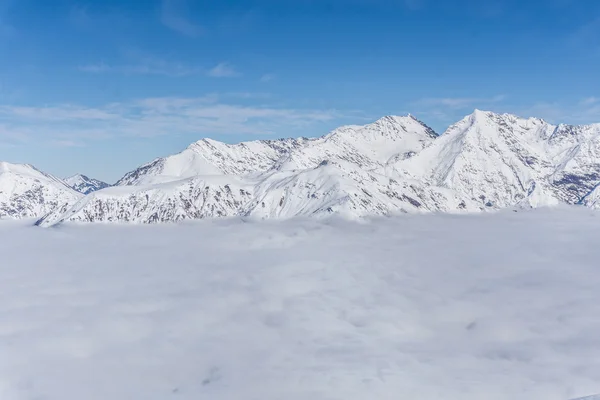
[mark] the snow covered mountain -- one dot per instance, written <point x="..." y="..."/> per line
<point x="210" y="157"/>
<point x="85" y="185"/>
<point x="26" y="192"/>
<point x="486" y="161"/>
<point x="502" y="160"/>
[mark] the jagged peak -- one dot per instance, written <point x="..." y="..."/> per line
<point x="398" y="119"/>
<point x="205" y="142"/>
<point x="391" y="124"/>
<point x="482" y="115"/>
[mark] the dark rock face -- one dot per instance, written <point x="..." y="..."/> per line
<point x="573" y="188"/>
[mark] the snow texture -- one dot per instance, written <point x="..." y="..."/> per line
<point x="489" y="306"/>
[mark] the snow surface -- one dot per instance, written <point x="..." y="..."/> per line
<point x="470" y="307"/>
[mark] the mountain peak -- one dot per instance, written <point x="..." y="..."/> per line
<point x="84" y="184"/>
<point x="395" y="119"/>
<point x="482" y="114"/>
<point x="76" y="176"/>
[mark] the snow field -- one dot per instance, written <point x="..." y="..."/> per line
<point x="490" y="306"/>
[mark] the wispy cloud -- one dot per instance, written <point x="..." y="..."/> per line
<point x="590" y="101"/>
<point x="150" y="65"/>
<point x="585" y="111"/>
<point x="267" y="77"/>
<point x="172" y="15"/>
<point x="146" y="67"/>
<point x="446" y="110"/>
<point x="6" y="29"/>
<point x="223" y="70"/>
<point x="449" y="110"/>
<point x="66" y="143"/>
<point x="75" y="125"/>
<point x="79" y="16"/>
<point x="414" y="4"/>
<point x="458" y="102"/>
<point x="587" y="35"/>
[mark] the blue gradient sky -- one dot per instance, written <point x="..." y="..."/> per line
<point x="99" y="87"/>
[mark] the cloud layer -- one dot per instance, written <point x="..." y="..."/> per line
<point x="202" y="116"/>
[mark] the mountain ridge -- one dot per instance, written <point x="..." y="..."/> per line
<point x="396" y="164"/>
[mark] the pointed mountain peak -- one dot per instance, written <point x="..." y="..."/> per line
<point x="76" y="177"/>
<point x="481" y="114"/>
<point x="84" y="184"/>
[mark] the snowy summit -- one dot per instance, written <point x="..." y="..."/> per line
<point x="85" y="185"/>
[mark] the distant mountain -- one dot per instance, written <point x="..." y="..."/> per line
<point x="26" y="192"/>
<point x="486" y="161"/>
<point x="85" y="185"/>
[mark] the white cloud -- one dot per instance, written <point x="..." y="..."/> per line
<point x="447" y="110"/>
<point x="584" y="112"/>
<point x="590" y="101"/>
<point x="173" y="16"/>
<point x="458" y="102"/>
<point x="73" y="124"/>
<point x="66" y="143"/>
<point x="150" y="65"/>
<point x="145" y="66"/>
<point x="223" y="70"/>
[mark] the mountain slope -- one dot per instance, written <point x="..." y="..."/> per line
<point x="85" y="185"/>
<point x="192" y="198"/>
<point x="26" y="192"/>
<point x="577" y="158"/>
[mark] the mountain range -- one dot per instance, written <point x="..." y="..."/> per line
<point x="486" y="161"/>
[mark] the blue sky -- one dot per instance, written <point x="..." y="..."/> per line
<point x="100" y="87"/>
